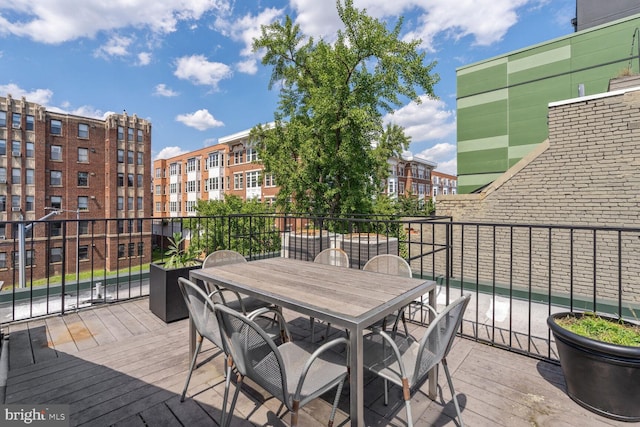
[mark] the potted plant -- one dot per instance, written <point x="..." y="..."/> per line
<point x="600" y="359"/>
<point x="165" y="299"/>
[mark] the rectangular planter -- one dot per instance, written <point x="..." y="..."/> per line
<point x="361" y="247"/>
<point x="306" y="245"/>
<point x="165" y="298"/>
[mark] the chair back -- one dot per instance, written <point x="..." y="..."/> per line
<point x="333" y="256"/>
<point x="254" y="354"/>
<point x="201" y="310"/>
<point x="438" y="338"/>
<point x="389" y="264"/>
<point x="223" y="257"/>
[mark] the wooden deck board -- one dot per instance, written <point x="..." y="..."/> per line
<point x="127" y="368"/>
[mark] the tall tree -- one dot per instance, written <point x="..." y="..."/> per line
<point x="328" y="145"/>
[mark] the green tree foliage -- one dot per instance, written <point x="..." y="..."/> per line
<point x="244" y="226"/>
<point x="332" y="101"/>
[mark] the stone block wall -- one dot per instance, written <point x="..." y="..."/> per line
<point x="586" y="174"/>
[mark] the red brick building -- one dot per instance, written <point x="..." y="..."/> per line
<point x="83" y="168"/>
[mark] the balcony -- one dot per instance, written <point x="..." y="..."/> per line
<point x="114" y="362"/>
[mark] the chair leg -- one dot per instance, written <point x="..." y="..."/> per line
<point x="313" y="327"/>
<point x="227" y="384"/>
<point x="453" y="393"/>
<point x="193" y="364"/>
<point x="406" y="394"/>
<point x="235" y="399"/>
<point x="386" y="392"/>
<point x="335" y="404"/>
<point x="294" y="413"/>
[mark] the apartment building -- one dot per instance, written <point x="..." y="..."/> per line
<point x="232" y="167"/>
<point x="82" y="168"/>
<point x="409" y="176"/>
<point x="229" y="167"/>
<point x="442" y="183"/>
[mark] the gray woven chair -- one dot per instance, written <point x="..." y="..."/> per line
<point x="247" y="303"/>
<point x="397" y="266"/>
<point x="329" y="256"/>
<point x="201" y="312"/>
<point x="294" y="373"/>
<point x="406" y="361"/>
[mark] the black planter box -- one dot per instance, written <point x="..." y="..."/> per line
<point x="602" y="377"/>
<point x="165" y="299"/>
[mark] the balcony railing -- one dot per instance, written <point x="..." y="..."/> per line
<point x="518" y="274"/>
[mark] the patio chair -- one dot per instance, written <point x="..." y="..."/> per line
<point x="329" y="256"/>
<point x="406" y="361"/>
<point x="294" y="373"/>
<point x="201" y="312"/>
<point x="247" y="304"/>
<point x="395" y="265"/>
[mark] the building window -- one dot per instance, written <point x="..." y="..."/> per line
<point x="130" y="157"/>
<point x="130" y="134"/>
<point x="237" y="181"/>
<point x="214" y="183"/>
<point x="158" y="190"/>
<point x="191" y="164"/>
<point x="83" y="252"/>
<point x="3" y="260"/>
<point x="30" y="176"/>
<point x="83" y="130"/>
<point x="30" y="122"/>
<point x="29" y="149"/>
<point x="16" y="121"/>
<point x="56" y="152"/>
<point x="3" y="203"/>
<point x="83" y="179"/>
<point x="30" y="256"/>
<point x="130" y="179"/>
<point x="3" y="175"/>
<point x="401" y="187"/>
<point x="132" y="249"/>
<point x="121" y="250"/>
<point x="158" y="173"/>
<point x="56" y="202"/>
<point x="83" y="203"/>
<point x="191" y="206"/>
<point x="140" y="158"/>
<point x="174" y="169"/>
<point x="83" y="227"/>
<point x="120" y="226"/>
<point x="3" y="119"/>
<point x="55" y="255"/>
<point x="56" y="127"/>
<point x="252" y="155"/>
<point x="158" y="206"/>
<point x="83" y="155"/>
<point x="120" y="133"/>
<point x="3" y="147"/>
<point x="29" y="203"/>
<point x="120" y="203"/>
<point x="140" y="203"/>
<point x="130" y="204"/>
<point x="16" y="176"/>
<point x="139" y="135"/>
<point x="120" y="156"/>
<point x="140" y="248"/>
<point x="214" y="160"/>
<point x="140" y="180"/>
<point x="237" y="157"/>
<point x="120" y="180"/>
<point x="16" y="148"/>
<point x="269" y="180"/>
<point x="253" y="179"/>
<point x="191" y="186"/>
<point x="56" y="178"/>
<point x="55" y="228"/>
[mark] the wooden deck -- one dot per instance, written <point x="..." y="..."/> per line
<point x="120" y="365"/>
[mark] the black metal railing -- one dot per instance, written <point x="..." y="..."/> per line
<point x="518" y="274"/>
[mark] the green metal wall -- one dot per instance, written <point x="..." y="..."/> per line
<point x="502" y="102"/>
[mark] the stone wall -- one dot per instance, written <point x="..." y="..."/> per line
<point x="586" y="174"/>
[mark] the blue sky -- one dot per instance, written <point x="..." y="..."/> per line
<point x="187" y="65"/>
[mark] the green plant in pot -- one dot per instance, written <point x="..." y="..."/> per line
<point x="600" y="359"/>
<point x="165" y="299"/>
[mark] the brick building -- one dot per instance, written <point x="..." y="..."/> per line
<point x="83" y="168"/>
<point x="443" y="184"/>
<point x="410" y="176"/>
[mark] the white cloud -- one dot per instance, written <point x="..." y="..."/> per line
<point x="168" y="152"/>
<point x="427" y="121"/>
<point x="144" y="58"/>
<point x="162" y="90"/>
<point x="198" y="70"/>
<point x="115" y="46"/>
<point x="39" y="96"/>
<point x="245" y="30"/>
<point x="51" y="21"/>
<point x="201" y="120"/>
<point x="444" y="154"/>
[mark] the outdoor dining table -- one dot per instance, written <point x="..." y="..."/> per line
<point x="345" y="297"/>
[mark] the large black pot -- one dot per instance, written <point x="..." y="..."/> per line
<point x="604" y="378"/>
<point x="165" y="298"/>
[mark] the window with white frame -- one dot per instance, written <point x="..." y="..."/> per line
<point x="158" y="189"/>
<point x="174" y="188"/>
<point x="31" y="122"/>
<point x="130" y="134"/>
<point x="3" y="175"/>
<point x="252" y="155"/>
<point x="214" y="183"/>
<point x="238" y="157"/>
<point x="56" y="127"/>
<point x="400" y="170"/>
<point x="174" y="206"/>
<point x="16" y="176"/>
<point x="83" y="155"/>
<point x="253" y="179"/>
<point x="401" y="187"/>
<point x="191" y="205"/>
<point x="191" y="186"/>
<point x="29" y="149"/>
<point x="29" y="203"/>
<point x="83" y="203"/>
<point x="120" y="133"/>
<point x="3" y="119"/>
<point x="237" y="181"/>
<point x="214" y="160"/>
<point x="29" y="176"/>
<point x="174" y="169"/>
<point x="269" y="180"/>
<point x="158" y="206"/>
<point x="3" y="147"/>
<point x="414" y="188"/>
<point x="192" y="164"/>
<point x="16" y="148"/>
<point x="16" y="120"/>
<point x="158" y="173"/>
<point x="83" y="130"/>
<point x="56" y="202"/>
<point x="140" y="139"/>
